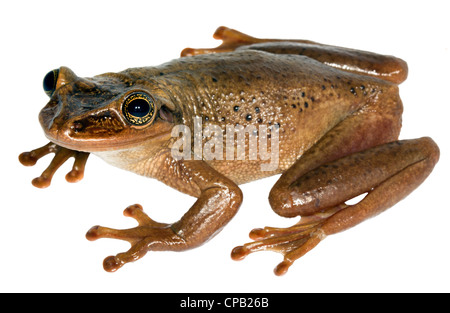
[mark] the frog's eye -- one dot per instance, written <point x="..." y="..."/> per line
<point x="50" y="81"/>
<point x="139" y="108"/>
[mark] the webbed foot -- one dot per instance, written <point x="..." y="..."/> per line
<point x="149" y="235"/>
<point x="231" y="39"/>
<point x="292" y="242"/>
<point x="61" y="156"/>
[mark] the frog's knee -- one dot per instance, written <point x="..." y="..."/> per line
<point x="431" y="149"/>
<point x="278" y="199"/>
<point x="284" y="204"/>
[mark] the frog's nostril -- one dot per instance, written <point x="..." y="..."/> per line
<point x="77" y="126"/>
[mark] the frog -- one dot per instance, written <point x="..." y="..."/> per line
<point x="335" y="114"/>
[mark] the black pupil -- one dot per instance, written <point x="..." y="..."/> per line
<point x="139" y="108"/>
<point x="50" y="80"/>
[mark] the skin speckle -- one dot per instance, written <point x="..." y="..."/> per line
<point x="302" y="91"/>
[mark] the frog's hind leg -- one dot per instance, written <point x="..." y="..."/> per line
<point x="231" y="40"/>
<point x="388" y="173"/>
<point x="385" y="67"/>
<point x="359" y="155"/>
<point x="360" y="62"/>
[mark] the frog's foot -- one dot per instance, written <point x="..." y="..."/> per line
<point x="231" y="39"/>
<point x="61" y="156"/>
<point x="149" y="235"/>
<point x="292" y="242"/>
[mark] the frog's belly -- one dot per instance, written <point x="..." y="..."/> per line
<point x="270" y="157"/>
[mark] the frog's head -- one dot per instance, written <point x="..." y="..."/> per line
<point x="105" y="112"/>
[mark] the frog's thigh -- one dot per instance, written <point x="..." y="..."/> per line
<point x="387" y="172"/>
<point x="359" y="62"/>
<point x="358" y="132"/>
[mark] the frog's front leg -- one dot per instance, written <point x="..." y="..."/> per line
<point x="218" y="200"/>
<point x="387" y="172"/>
<point x="61" y="156"/>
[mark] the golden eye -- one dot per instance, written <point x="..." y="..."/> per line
<point x="50" y="81"/>
<point x="139" y="108"/>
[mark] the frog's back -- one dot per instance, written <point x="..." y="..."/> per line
<point x="301" y="96"/>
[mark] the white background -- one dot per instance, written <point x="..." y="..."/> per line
<point x="43" y="248"/>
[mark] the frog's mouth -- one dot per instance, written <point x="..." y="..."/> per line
<point x="96" y="131"/>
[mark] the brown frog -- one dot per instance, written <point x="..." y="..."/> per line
<point x="327" y="117"/>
